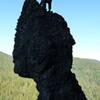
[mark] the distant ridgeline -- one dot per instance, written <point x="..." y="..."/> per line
<point x="43" y="52"/>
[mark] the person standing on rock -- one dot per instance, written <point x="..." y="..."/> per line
<point x="43" y="4"/>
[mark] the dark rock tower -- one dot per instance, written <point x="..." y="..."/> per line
<point x="43" y="52"/>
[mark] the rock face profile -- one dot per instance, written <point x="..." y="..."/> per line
<point x="43" y="52"/>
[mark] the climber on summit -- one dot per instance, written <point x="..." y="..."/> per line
<point x="43" y="4"/>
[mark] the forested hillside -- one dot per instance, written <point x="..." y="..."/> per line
<point x="88" y="75"/>
<point x="13" y="87"/>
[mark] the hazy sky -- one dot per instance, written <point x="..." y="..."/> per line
<point x="82" y="16"/>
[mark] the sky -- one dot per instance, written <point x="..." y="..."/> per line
<point x="82" y="16"/>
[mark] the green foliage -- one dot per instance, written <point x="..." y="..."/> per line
<point x="88" y="74"/>
<point x="13" y="87"/>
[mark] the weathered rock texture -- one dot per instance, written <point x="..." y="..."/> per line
<point x="43" y="52"/>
